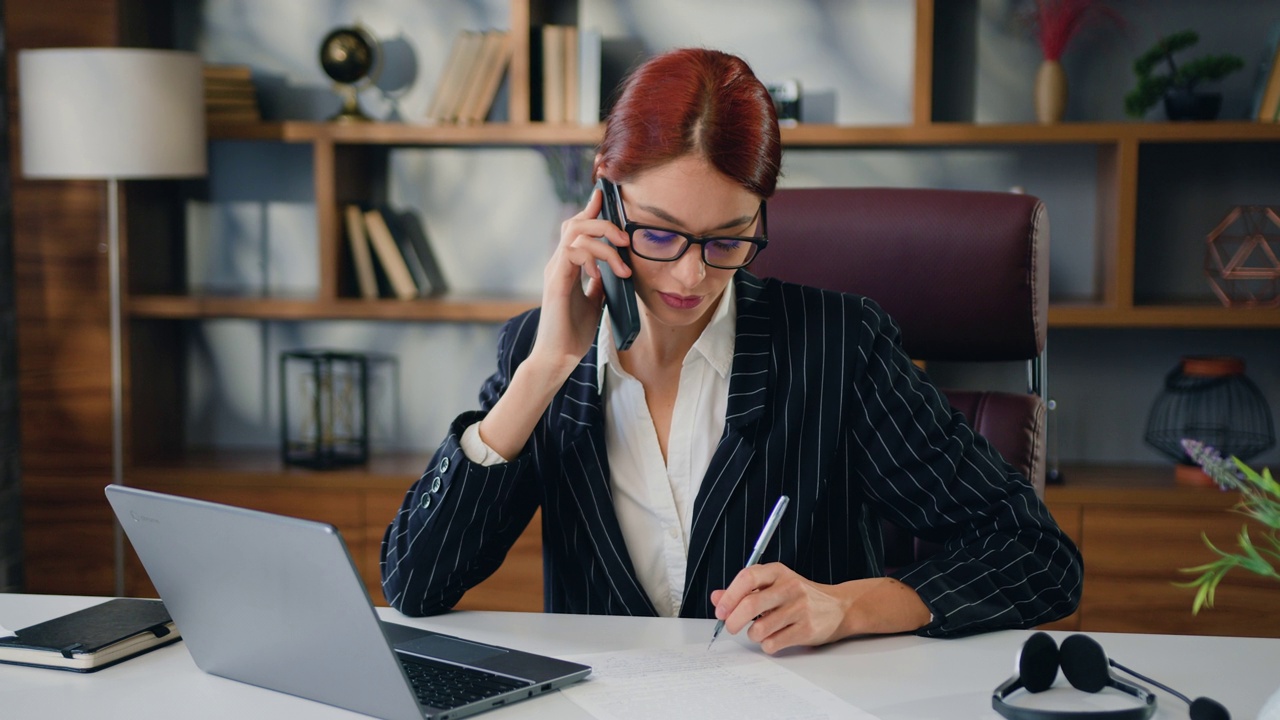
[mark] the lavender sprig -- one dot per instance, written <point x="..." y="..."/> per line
<point x="1259" y="499"/>
<point x="1221" y="471"/>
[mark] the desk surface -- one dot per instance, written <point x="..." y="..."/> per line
<point x="891" y="677"/>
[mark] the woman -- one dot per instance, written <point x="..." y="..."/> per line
<point x="657" y="466"/>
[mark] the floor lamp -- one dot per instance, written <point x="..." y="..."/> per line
<point x="112" y="114"/>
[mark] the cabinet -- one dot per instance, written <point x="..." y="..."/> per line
<point x="65" y="514"/>
<point x="1136" y="530"/>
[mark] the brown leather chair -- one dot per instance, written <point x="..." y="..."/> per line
<point x="965" y="274"/>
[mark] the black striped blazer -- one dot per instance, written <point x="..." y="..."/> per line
<point x="823" y="406"/>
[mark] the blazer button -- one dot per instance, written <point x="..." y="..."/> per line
<point x="435" y="484"/>
<point x="426" y="502"/>
<point x="444" y="464"/>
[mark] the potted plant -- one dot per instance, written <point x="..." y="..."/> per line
<point x="1179" y="86"/>
<point x="1260" y="500"/>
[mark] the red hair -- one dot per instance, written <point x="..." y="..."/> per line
<point x="694" y="102"/>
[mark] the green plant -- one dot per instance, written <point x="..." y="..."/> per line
<point x="1260" y="500"/>
<point x="1151" y="87"/>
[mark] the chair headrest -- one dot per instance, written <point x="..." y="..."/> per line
<point x="965" y="274"/>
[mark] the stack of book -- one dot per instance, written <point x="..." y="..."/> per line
<point x="566" y="66"/>
<point x="229" y="95"/>
<point x="390" y="254"/>
<point x="471" y="77"/>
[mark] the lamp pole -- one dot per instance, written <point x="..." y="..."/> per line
<point x="117" y="368"/>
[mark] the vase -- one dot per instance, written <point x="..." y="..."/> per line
<point x="1050" y="92"/>
<point x="1188" y="105"/>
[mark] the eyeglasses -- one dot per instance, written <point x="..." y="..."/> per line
<point x="718" y="251"/>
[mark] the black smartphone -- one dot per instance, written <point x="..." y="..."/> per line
<point x="619" y="293"/>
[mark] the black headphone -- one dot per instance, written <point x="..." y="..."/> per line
<point x="1087" y="668"/>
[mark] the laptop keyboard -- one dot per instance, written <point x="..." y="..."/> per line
<point x="444" y="686"/>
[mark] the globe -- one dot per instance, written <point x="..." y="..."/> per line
<point x="348" y="55"/>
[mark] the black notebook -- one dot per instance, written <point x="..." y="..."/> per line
<point x="93" y="638"/>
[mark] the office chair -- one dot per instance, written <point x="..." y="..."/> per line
<point x="965" y="275"/>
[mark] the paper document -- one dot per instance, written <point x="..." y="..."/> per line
<point x="688" y="681"/>
<point x="6" y="633"/>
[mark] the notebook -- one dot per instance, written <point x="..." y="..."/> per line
<point x="276" y="601"/>
<point x="94" y="638"/>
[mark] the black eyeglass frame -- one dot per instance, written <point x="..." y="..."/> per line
<point x="760" y="242"/>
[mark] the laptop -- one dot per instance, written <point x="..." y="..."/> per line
<point x="276" y="602"/>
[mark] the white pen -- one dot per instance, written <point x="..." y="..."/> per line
<point x="770" y="525"/>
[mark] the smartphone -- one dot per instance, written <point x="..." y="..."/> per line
<point x="619" y="293"/>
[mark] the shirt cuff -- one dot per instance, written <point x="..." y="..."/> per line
<point x="476" y="450"/>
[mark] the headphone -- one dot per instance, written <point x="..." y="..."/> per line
<point x="1087" y="668"/>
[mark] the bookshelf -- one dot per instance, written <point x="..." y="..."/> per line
<point x="65" y="514"/>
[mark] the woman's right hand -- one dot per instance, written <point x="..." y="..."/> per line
<point x="571" y="313"/>
<point x="566" y="328"/>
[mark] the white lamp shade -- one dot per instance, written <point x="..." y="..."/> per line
<point x="99" y="113"/>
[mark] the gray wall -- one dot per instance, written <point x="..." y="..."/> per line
<point x="255" y="231"/>
<point x="10" y="479"/>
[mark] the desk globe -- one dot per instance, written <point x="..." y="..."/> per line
<point x="349" y="55"/>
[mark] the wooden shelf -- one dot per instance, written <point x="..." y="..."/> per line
<point x="386" y="133"/>
<point x="450" y="308"/>
<point x="812" y="135"/>
<point x="1137" y="485"/>
<point x="465" y="308"/>
<point x="261" y="468"/>
<point x="1086" y="315"/>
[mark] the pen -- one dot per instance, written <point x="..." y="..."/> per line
<point x="769" y="526"/>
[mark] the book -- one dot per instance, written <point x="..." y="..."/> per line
<point x="452" y="84"/>
<point x="395" y="225"/>
<point x="229" y="94"/>
<point x="570" y="40"/>
<point x="1269" y="106"/>
<point x="361" y="257"/>
<point x="553" y="90"/>
<point x="589" y="76"/>
<point x="389" y="255"/>
<point x="94" y="638"/>
<point x="1268" y="69"/>
<point x="496" y="58"/>
<point x="411" y="228"/>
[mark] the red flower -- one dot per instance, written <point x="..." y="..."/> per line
<point x="1057" y="21"/>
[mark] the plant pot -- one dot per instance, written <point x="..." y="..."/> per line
<point x="1050" y="92"/>
<point x="1186" y="105"/>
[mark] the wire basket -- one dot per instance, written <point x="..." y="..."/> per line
<point x="1209" y="399"/>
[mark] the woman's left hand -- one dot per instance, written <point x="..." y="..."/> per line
<point x="789" y="610"/>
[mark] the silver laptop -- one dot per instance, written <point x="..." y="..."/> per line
<point x="276" y="602"/>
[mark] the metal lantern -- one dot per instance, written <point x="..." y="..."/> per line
<point x="324" y="415"/>
<point x="1209" y="399"/>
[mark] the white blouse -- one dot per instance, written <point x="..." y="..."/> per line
<point x="654" y="499"/>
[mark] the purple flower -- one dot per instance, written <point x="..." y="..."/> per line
<point x="1221" y="470"/>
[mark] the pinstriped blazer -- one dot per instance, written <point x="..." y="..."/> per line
<point x="823" y="406"/>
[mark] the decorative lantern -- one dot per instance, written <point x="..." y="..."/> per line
<point x="1209" y="399"/>
<point x="324" y="408"/>
<point x="1240" y="257"/>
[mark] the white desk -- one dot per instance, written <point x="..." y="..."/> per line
<point x="891" y="677"/>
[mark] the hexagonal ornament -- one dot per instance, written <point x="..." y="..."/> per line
<point x="1240" y="257"/>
